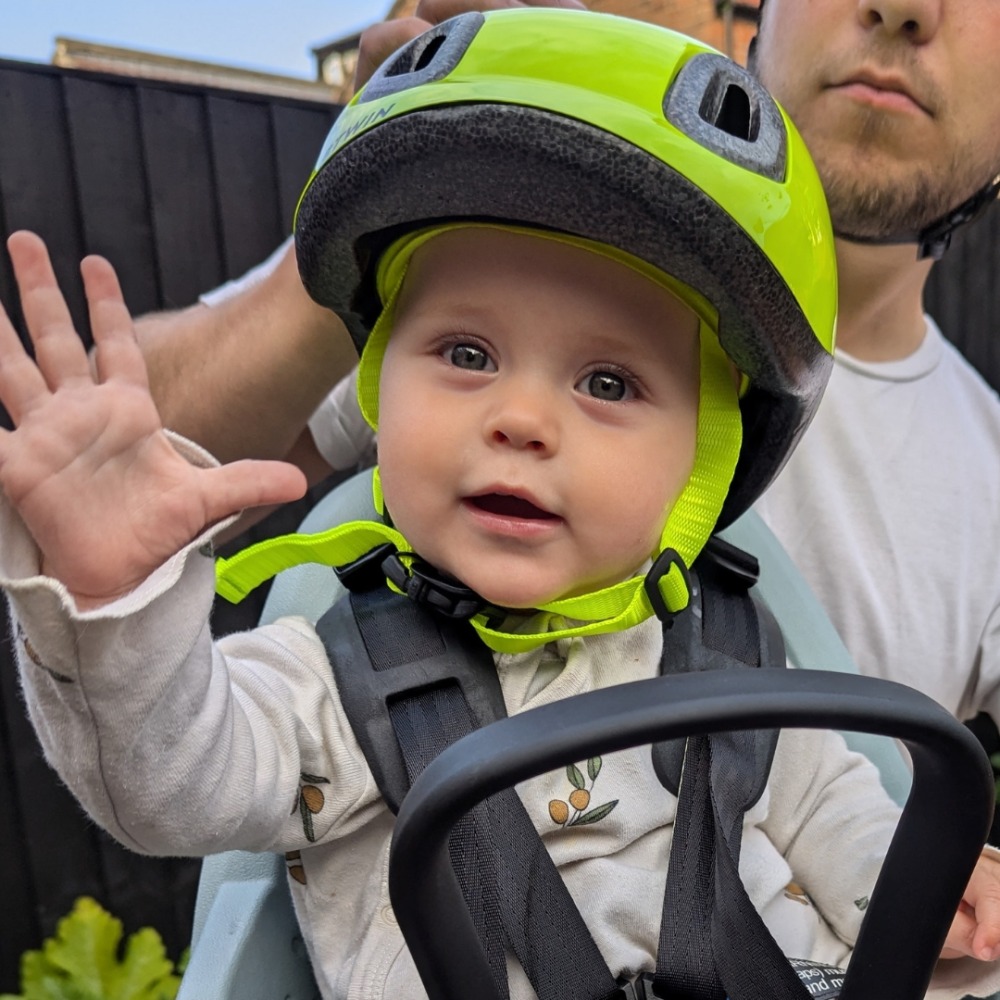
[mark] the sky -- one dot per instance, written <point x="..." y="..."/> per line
<point x="271" y="35"/>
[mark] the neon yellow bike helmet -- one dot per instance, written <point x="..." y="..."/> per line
<point x="613" y="130"/>
<point x="623" y="136"/>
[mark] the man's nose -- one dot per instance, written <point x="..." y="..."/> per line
<point x="918" y="20"/>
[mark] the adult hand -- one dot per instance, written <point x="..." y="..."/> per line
<point x="98" y="484"/>
<point x="380" y="40"/>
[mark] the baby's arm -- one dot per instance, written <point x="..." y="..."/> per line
<point x="832" y="821"/>
<point x="101" y="489"/>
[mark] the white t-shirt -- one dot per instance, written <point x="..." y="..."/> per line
<point x="890" y="508"/>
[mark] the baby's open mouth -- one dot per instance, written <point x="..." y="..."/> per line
<point x="506" y="505"/>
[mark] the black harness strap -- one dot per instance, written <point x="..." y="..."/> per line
<point x="713" y="943"/>
<point x="432" y="681"/>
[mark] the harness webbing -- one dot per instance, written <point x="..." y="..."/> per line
<point x="432" y="681"/>
<point x="514" y="892"/>
<point x="713" y="943"/>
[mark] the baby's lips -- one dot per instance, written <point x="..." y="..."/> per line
<point x="508" y="505"/>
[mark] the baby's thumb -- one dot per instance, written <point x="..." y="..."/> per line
<point x="250" y="483"/>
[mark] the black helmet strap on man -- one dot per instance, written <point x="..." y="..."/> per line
<point x="933" y="239"/>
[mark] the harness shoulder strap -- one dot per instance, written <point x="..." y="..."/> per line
<point x="412" y="683"/>
<point x="713" y="943"/>
<point x="727" y="628"/>
<point x="406" y="652"/>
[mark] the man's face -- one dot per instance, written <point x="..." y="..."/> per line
<point x="898" y="101"/>
<point x="537" y="414"/>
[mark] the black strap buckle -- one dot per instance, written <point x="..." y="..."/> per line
<point x="664" y="561"/>
<point x="741" y="569"/>
<point x="639" y="988"/>
<point x="423" y="584"/>
<point x="365" y="573"/>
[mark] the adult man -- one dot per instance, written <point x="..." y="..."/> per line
<point x="895" y="492"/>
<point x="894" y="497"/>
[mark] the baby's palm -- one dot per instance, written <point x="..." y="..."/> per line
<point x="97" y="482"/>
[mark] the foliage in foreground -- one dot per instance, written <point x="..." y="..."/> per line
<point x="85" y="960"/>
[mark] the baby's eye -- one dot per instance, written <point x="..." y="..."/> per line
<point x="470" y="357"/>
<point x="606" y="385"/>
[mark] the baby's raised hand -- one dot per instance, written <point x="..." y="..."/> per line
<point x="96" y="480"/>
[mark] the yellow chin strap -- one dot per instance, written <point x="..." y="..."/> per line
<point x="620" y="606"/>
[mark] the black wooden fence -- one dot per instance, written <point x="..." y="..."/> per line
<point x="182" y="188"/>
<point x="963" y="294"/>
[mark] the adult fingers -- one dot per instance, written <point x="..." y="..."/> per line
<point x="436" y="11"/>
<point x="380" y="41"/>
<point x="59" y="352"/>
<point x="116" y="354"/>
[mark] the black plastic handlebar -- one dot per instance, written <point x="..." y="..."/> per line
<point x="922" y="880"/>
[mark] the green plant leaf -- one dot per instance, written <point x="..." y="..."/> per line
<point x="145" y="972"/>
<point x="594" y="767"/>
<point x="575" y="777"/>
<point x="85" y="947"/>
<point x="81" y="962"/>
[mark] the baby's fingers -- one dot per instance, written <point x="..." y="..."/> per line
<point x="20" y="379"/>
<point x="116" y="353"/>
<point x="235" y="487"/>
<point x="59" y="352"/>
<point x="975" y="931"/>
<point x="961" y="934"/>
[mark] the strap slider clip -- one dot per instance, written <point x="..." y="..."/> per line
<point x="423" y="584"/>
<point x="365" y="573"/>
<point x="665" y="562"/>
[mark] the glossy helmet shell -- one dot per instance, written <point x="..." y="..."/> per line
<point x="609" y="129"/>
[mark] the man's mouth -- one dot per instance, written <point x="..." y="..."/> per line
<point x="509" y="505"/>
<point x="888" y="88"/>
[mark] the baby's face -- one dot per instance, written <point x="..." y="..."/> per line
<point x="538" y="408"/>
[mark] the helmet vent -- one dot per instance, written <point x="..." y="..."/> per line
<point x="430" y="51"/>
<point x="417" y="56"/>
<point x="719" y="105"/>
<point x="733" y="114"/>
<point x="426" y="59"/>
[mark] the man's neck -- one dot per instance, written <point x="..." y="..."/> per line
<point x="880" y="315"/>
